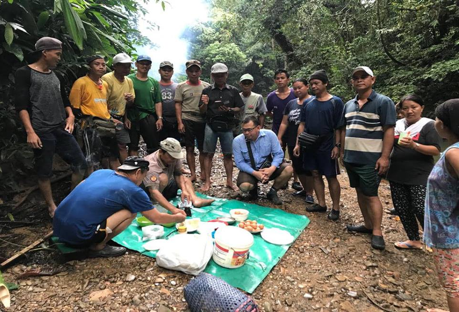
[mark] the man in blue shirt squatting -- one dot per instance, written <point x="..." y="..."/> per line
<point x="266" y="162"/>
<point x="367" y="131"/>
<point x="105" y="204"/>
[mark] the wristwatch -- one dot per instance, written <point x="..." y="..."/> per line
<point x="160" y="117"/>
<point x="338" y="145"/>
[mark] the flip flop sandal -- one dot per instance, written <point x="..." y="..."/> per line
<point x="405" y="245"/>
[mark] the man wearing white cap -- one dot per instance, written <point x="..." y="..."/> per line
<point x="367" y="136"/>
<point x="120" y="93"/>
<point x="220" y="102"/>
<point x="165" y="177"/>
<point x="45" y="112"/>
<point x="254" y="105"/>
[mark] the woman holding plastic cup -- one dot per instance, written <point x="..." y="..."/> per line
<point x="415" y="144"/>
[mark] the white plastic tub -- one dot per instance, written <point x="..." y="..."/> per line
<point x="232" y="245"/>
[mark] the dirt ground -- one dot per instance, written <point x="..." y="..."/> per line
<point x="325" y="269"/>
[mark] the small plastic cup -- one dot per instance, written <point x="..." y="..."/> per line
<point x="403" y="135"/>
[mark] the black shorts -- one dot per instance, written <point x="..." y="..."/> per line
<point x="62" y="143"/>
<point x="99" y="236"/>
<point x="146" y="128"/>
<point x="244" y="177"/>
<point x="96" y="147"/>
<point x="194" y="130"/>
<point x="322" y="162"/>
<point x="170" y="191"/>
<point x="297" y="162"/>
<point x="169" y="130"/>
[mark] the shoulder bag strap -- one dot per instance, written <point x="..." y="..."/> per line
<point x="252" y="161"/>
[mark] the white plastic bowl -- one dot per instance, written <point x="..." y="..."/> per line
<point x="239" y="214"/>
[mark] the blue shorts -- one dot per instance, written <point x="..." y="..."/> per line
<point x="210" y="141"/>
<point x="62" y="143"/>
<point x="321" y="162"/>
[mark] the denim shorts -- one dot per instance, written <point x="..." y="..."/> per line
<point x="210" y="141"/>
<point x="62" y="143"/>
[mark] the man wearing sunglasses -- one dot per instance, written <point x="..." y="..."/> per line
<point x="259" y="157"/>
<point x="254" y="105"/>
<point x="367" y="136"/>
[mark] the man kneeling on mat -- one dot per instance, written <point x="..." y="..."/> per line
<point x="105" y="204"/>
<point x="165" y="177"/>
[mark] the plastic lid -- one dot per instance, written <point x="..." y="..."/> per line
<point x="234" y="237"/>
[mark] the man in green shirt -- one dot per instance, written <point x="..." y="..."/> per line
<point x="146" y="114"/>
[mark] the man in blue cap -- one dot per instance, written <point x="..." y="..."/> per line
<point x="146" y="115"/>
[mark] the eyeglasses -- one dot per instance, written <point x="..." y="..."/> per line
<point x="247" y="130"/>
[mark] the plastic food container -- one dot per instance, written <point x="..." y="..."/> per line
<point x="232" y="246"/>
<point x="239" y="214"/>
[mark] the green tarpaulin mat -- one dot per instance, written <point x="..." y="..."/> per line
<point x="263" y="255"/>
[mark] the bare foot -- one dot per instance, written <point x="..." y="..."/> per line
<point x="186" y="171"/>
<point x="201" y="202"/>
<point x="232" y="187"/>
<point x="205" y="187"/>
<point x="436" y="310"/>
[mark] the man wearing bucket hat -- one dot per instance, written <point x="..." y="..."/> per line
<point x="254" y="105"/>
<point x="165" y="177"/>
<point x="45" y="112"/>
<point x="366" y="149"/>
<point x="103" y="206"/>
<point x="220" y="102"/>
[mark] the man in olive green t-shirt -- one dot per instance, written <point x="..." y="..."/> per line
<point x="146" y="114"/>
<point x="191" y="123"/>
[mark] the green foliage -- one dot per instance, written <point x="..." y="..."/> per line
<point x="412" y="45"/>
<point x="85" y="27"/>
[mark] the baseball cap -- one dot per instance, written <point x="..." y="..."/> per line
<point x="48" y="43"/>
<point x="190" y="63"/>
<point x="166" y="64"/>
<point x="364" y="69"/>
<point x="219" y="68"/>
<point x="172" y="147"/>
<point x="122" y="58"/>
<point x="143" y="58"/>
<point x="246" y="77"/>
<point x="134" y="162"/>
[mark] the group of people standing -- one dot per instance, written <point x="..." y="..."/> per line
<point x="114" y="109"/>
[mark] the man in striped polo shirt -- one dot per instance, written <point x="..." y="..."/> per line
<point x="367" y="133"/>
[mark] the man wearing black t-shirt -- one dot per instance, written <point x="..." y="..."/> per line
<point x="220" y="101"/>
<point x="45" y="112"/>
